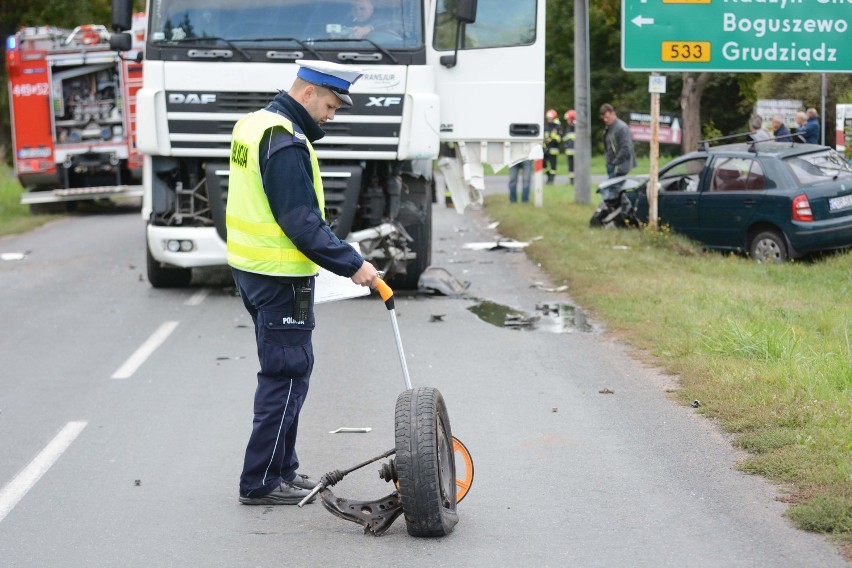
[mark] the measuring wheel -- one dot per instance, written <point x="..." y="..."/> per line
<point x="464" y="474"/>
<point x="425" y="462"/>
<point x="428" y="485"/>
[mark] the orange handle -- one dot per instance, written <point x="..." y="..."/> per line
<point x="386" y="293"/>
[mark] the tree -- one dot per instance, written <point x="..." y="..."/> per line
<point x="691" y="91"/>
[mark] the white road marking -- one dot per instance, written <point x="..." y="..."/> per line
<point x="15" y="490"/>
<point x="198" y="297"/>
<point x="135" y="361"/>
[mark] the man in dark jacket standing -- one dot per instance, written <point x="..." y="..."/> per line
<point x="779" y="129"/>
<point x="277" y="239"/>
<point x="810" y="132"/>
<point x="618" y="145"/>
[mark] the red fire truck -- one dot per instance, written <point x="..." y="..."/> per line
<point x="73" y="104"/>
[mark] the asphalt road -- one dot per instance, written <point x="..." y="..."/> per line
<point x="112" y="456"/>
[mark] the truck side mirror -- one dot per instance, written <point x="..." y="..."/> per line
<point x="120" y="42"/>
<point x="466" y="11"/>
<point x="122" y="14"/>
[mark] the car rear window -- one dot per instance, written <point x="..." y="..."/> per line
<point x="820" y="166"/>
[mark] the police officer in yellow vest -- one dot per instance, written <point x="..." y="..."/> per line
<point x="277" y="238"/>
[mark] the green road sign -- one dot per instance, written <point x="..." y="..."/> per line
<point x="798" y="36"/>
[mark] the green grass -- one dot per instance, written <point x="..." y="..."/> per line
<point x="767" y="349"/>
<point x="14" y="217"/>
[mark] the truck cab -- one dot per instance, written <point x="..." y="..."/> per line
<point x="457" y="79"/>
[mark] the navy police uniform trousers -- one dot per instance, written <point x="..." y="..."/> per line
<point x="286" y="359"/>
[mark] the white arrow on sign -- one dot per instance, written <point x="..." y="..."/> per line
<point x="640" y="21"/>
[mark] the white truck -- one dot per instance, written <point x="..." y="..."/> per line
<point x="457" y="81"/>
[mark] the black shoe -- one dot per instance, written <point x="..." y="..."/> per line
<point x="303" y="482"/>
<point x="284" y="494"/>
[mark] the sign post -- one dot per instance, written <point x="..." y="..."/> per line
<point x="794" y="36"/>
<point x="656" y="85"/>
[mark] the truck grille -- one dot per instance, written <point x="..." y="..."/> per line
<point x="204" y="128"/>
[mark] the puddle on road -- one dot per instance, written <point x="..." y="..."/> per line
<point x="554" y="318"/>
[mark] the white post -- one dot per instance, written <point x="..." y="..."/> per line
<point x="656" y="85"/>
<point x="537" y="156"/>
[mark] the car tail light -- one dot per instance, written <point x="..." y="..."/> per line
<point x="802" y="209"/>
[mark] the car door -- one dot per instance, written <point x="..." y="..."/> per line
<point x="736" y="187"/>
<point x="679" y="193"/>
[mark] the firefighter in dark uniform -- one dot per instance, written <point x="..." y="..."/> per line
<point x="552" y="144"/>
<point x="568" y="137"/>
<point x="277" y="238"/>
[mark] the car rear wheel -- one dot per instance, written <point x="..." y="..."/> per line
<point x="768" y="246"/>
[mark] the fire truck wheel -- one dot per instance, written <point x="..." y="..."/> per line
<point x="425" y="462"/>
<point x="161" y="277"/>
<point x="416" y="217"/>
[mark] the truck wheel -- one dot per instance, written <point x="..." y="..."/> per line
<point x="425" y="462"/>
<point x="415" y="214"/>
<point x="161" y="277"/>
<point x="768" y="246"/>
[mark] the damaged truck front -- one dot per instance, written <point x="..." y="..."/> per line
<point x="461" y="76"/>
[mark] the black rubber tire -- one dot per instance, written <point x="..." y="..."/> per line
<point x="768" y="246"/>
<point x="425" y="462"/>
<point x="416" y="218"/>
<point x="598" y="217"/>
<point x="161" y="277"/>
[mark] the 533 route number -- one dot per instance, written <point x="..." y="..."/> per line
<point x="691" y="51"/>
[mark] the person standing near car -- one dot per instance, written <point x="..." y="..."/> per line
<point x="618" y="146"/>
<point x="810" y="130"/>
<point x="779" y="129"/>
<point x="755" y="126"/>
<point x="277" y="238"/>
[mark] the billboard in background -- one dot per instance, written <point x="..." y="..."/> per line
<point x="786" y="108"/>
<point x="640" y="127"/>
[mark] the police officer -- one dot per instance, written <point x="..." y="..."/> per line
<point x="552" y="144"/>
<point x="277" y="237"/>
<point x="568" y="138"/>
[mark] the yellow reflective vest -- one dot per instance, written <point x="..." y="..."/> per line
<point x="256" y="242"/>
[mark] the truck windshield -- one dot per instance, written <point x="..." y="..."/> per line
<point x="392" y="24"/>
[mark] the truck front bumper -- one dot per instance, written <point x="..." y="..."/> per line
<point x="81" y="194"/>
<point x="196" y="246"/>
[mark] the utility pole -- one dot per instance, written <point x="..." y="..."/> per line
<point x="582" y="104"/>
